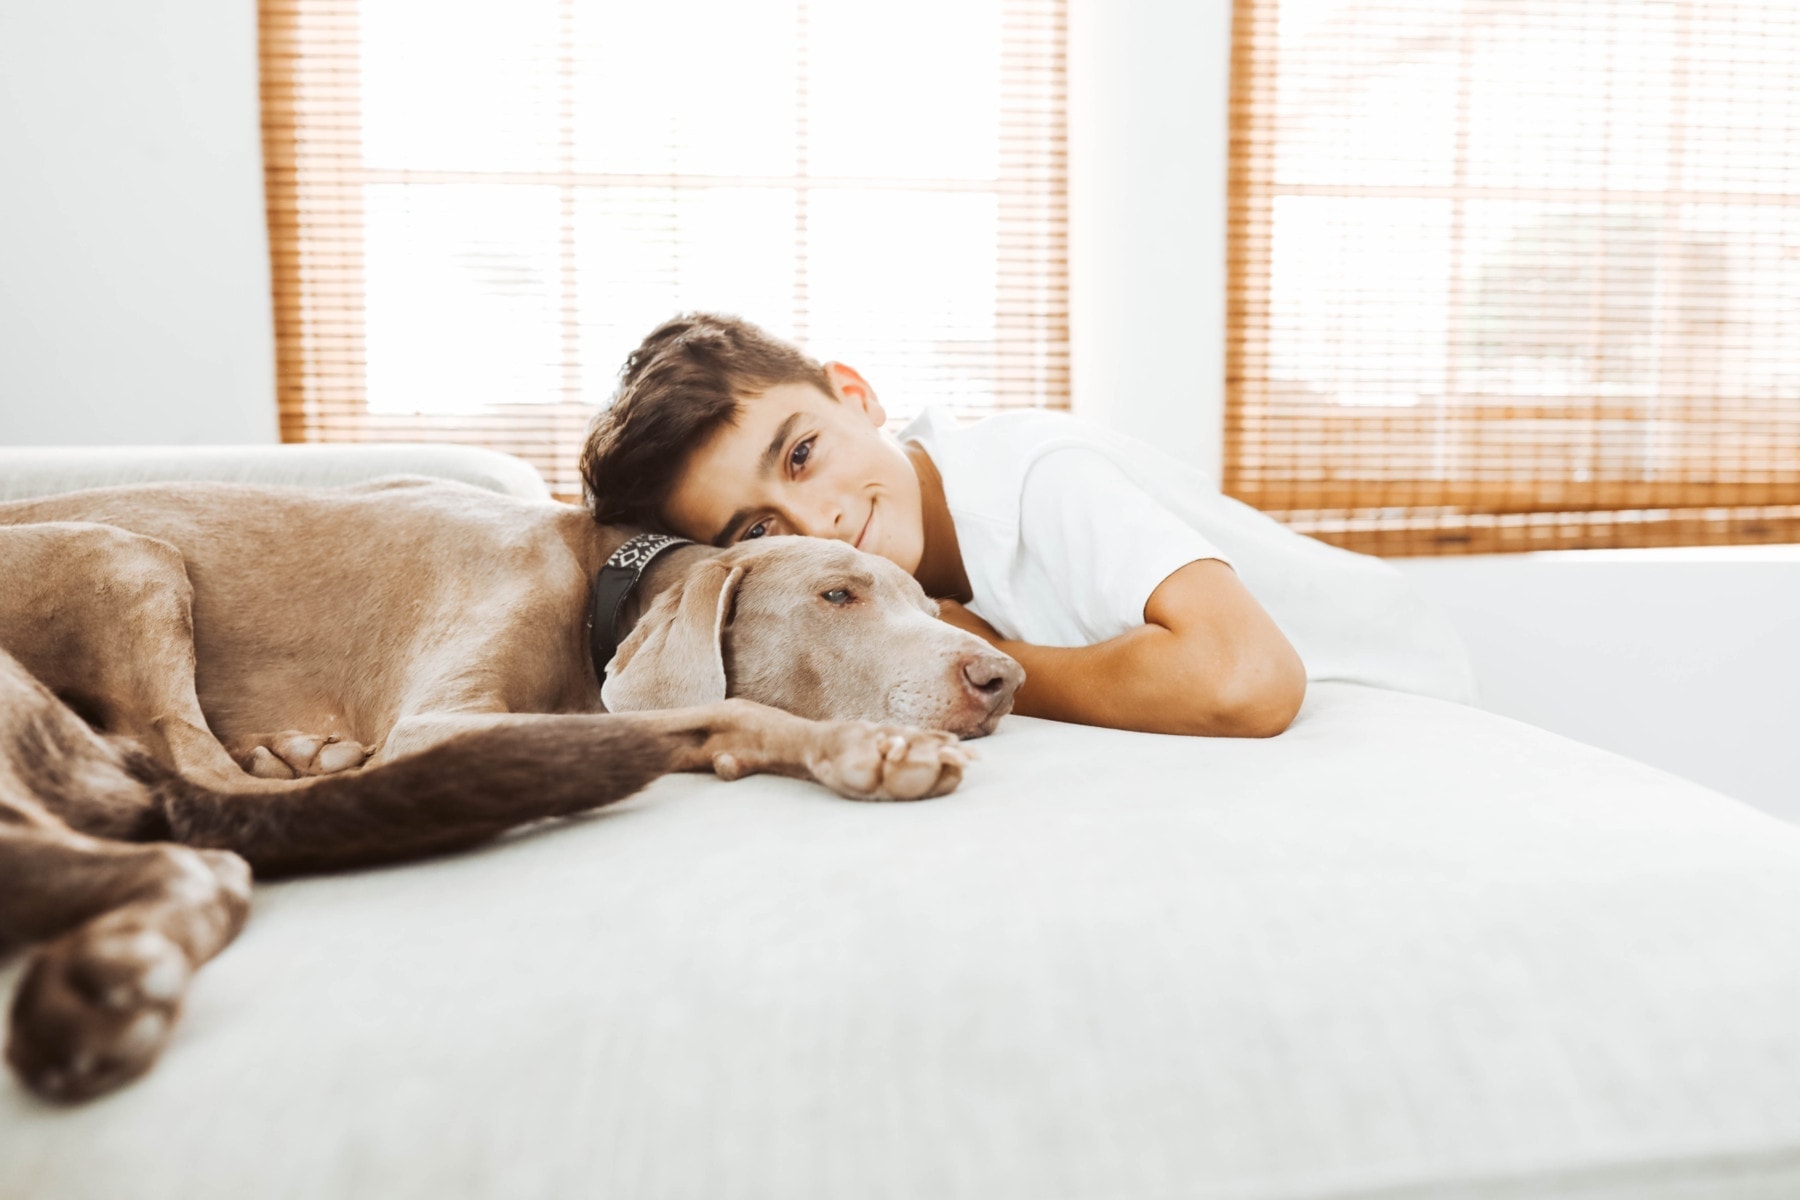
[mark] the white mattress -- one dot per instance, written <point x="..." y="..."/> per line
<point x="1408" y="949"/>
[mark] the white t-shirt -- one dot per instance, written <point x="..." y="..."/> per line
<point x="1066" y="529"/>
<point x="1061" y="547"/>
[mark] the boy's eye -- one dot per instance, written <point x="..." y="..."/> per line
<point x="760" y="529"/>
<point x="801" y="454"/>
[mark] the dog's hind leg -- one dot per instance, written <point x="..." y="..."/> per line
<point x="97" y="1003"/>
<point x="104" y="618"/>
<point x="123" y="926"/>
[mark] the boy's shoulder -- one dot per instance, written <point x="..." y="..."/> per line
<point x="984" y="463"/>
<point x="1008" y="443"/>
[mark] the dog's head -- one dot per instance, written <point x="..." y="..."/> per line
<point x="814" y="627"/>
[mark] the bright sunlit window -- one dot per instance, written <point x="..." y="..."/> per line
<point x="477" y="209"/>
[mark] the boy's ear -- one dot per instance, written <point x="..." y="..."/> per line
<point x="854" y="390"/>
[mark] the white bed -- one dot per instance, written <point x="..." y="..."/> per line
<point x="1406" y="950"/>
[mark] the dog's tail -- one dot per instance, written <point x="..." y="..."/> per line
<point x="455" y="794"/>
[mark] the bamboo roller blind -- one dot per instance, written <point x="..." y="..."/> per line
<point x="477" y="209"/>
<point x="1516" y="274"/>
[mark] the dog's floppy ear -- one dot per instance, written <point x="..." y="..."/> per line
<point x="675" y="657"/>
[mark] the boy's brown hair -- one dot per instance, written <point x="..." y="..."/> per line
<point x="679" y="386"/>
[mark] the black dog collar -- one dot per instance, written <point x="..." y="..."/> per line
<point x="613" y="585"/>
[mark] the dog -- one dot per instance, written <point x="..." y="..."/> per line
<point x="199" y="681"/>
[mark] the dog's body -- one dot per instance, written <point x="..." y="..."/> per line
<point x="297" y="679"/>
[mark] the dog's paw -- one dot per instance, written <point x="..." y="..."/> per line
<point x="865" y="761"/>
<point x="96" y="1006"/>
<point x="95" y="1010"/>
<point x="293" y="754"/>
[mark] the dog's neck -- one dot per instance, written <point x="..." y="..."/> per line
<point x="596" y="544"/>
<point x="665" y="571"/>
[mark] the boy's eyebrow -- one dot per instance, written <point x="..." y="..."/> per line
<point x="773" y="453"/>
<point x="765" y="465"/>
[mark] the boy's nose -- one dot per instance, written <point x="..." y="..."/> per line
<point x="825" y="521"/>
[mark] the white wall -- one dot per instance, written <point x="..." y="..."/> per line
<point x="1148" y="82"/>
<point x="134" y="284"/>
<point x="1687" y="660"/>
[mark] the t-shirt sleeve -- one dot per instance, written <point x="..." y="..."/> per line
<point x="1099" y="541"/>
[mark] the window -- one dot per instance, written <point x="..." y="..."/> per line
<point x="1516" y="274"/>
<point x="477" y="209"/>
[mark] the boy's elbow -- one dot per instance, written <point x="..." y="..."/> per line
<point x="1258" y="700"/>
<point x="1267" y="715"/>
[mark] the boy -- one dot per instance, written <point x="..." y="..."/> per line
<point x="1121" y="613"/>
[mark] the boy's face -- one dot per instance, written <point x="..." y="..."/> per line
<point x="801" y="462"/>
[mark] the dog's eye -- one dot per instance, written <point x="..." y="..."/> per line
<point x="836" y="596"/>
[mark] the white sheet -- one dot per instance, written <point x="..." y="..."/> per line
<point x="1407" y="949"/>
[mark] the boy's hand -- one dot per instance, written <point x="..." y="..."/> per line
<point x="955" y="614"/>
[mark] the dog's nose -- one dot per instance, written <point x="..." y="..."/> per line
<point x="991" y="676"/>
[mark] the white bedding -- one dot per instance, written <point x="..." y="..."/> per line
<point x="1408" y="949"/>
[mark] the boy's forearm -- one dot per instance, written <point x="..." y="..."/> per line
<point x="1143" y="680"/>
<point x="1207" y="660"/>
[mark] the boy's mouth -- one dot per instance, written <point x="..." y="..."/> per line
<point x="868" y="521"/>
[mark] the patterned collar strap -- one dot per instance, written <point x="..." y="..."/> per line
<point x="613" y="585"/>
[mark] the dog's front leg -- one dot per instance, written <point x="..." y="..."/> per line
<point x="858" y="759"/>
<point x="472" y="776"/>
<point x="734" y="738"/>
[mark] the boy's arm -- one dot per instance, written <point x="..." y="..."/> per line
<point x="1207" y="660"/>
